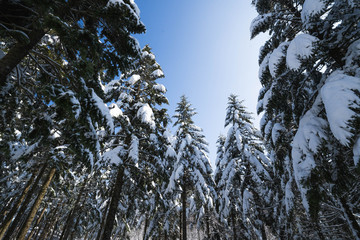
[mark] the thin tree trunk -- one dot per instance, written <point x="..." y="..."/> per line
<point x="110" y="218"/>
<point x="349" y="216"/>
<point x="183" y="199"/>
<point x="69" y="223"/>
<point x="102" y="225"/>
<point x="18" y="53"/>
<point x="23" y="207"/>
<point x="37" y="223"/>
<point x="6" y="223"/>
<point x="145" y="228"/>
<point x="50" y="223"/>
<point x="233" y="225"/>
<point x="36" y="205"/>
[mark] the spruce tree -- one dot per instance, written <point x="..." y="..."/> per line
<point x="191" y="180"/>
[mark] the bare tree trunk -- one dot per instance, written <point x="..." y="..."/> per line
<point x="37" y="222"/>
<point x="115" y="198"/>
<point x="233" y="225"/>
<point x="23" y="207"/>
<point x="183" y="199"/>
<point x="35" y="207"/>
<point x="18" y="53"/>
<point x="102" y="225"/>
<point x="6" y="223"/>
<point x="145" y="228"/>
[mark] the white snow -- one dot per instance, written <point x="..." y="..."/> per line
<point x="160" y="88"/>
<point x="264" y="64"/>
<point x="276" y="131"/>
<point x="146" y="115"/>
<point x="300" y="48"/>
<point x="157" y="73"/>
<point x="260" y="20"/>
<point x="356" y="151"/>
<point x="338" y="97"/>
<point x="103" y="108"/>
<point x="115" y="111"/>
<point x="113" y="155"/>
<point x="133" y="79"/>
<point x="311" y="8"/>
<point x="351" y="59"/>
<point x="276" y="57"/>
<point x="305" y="145"/>
<point x="134" y="149"/>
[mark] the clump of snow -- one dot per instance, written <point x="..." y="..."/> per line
<point x="133" y="79"/>
<point x="311" y="8"/>
<point x="157" y="73"/>
<point x="147" y="54"/>
<point x="263" y="66"/>
<point x="104" y="110"/>
<point x="259" y="21"/>
<point x="356" y="151"/>
<point x="134" y="149"/>
<point x="276" y="131"/>
<point x="146" y="115"/>
<point x="160" y="88"/>
<point x="289" y="196"/>
<point x="113" y="155"/>
<point x="276" y="57"/>
<point x="305" y="145"/>
<point x="115" y="111"/>
<point x="300" y="48"/>
<point x="338" y="97"/>
<point x="352" y="59"/>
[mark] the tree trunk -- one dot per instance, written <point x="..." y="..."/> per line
<point x="233" y="225"/>
<point x="115" y="198"/>
<point x="18" y="53"/>
<point x="35" y="207"/>
<point x="145" y="227"/>
<point x="6" y="223"/>
<point x="183" y="200"/>
<point x="37" y="223"/>
<point x="102" y="225"/>
<point x="349" y="216"/>
<point x="23" y="207"/>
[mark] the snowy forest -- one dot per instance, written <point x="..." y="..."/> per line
<point x="88" y="149"/>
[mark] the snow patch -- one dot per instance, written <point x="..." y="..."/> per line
<point x="338" y="96"/>
<point x="311" y="8"/>
<point x="146" y="115"/>
<point x="276" y="56"/>
<point x="133" y="79"/>
<point x="300" y="48"/>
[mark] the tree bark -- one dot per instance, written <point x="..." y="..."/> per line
<point x="145" y="227"/>
<point x="6" y="223"/>
<point x="233" y="225"/>
<point x="37" y="223"/>
<point x="115" y="198"/>
<point x="36" y="205"/>
<point x="183" y="200"/>
<point x="23" y="207"/>
<point x="102" y="225"/>
<point x="18" y="53"/>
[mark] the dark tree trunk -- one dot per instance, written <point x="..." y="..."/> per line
<point x="115" y="198"/>
<point x="233" y="225"/>
<point x="6" y="223"/>
<point x="18" y="53"/>
<point x="69" y="223"/>
<point x="183" y="200"/>
<point x="37" y="222"/>
<point x="24" y="205"/>
<point x="36" y="205"/>
<point x="145" y="227"/>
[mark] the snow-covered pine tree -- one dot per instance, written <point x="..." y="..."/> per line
<point x="309" y="70"/>
<point x="242" y="178"/>
<point x="140" y="144"/>
<point x="191" y="180"/>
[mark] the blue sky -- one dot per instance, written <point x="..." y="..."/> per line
<point x="205" y="51"/>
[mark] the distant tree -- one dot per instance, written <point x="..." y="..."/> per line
<point x="243" y="177"/>
<point x="191" y="180"/>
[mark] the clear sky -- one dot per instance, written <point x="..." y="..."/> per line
<point x="205" y="51"/>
